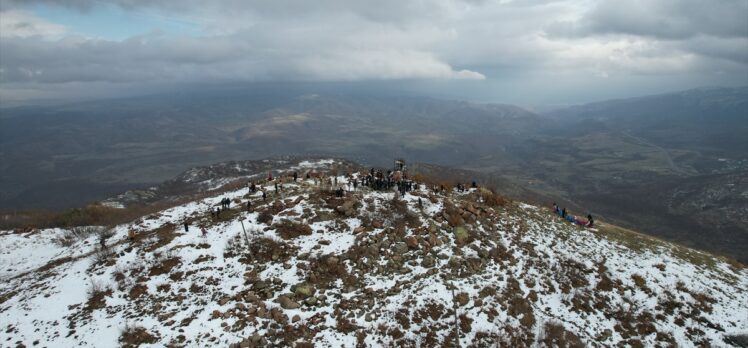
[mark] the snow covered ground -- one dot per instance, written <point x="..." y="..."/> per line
<point x="377" y="272"/>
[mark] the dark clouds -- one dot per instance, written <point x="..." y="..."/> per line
<point x="508" y="42"/>
<point x="661" y="19"/>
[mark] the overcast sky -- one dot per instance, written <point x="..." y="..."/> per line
<point x="528" y="52"/>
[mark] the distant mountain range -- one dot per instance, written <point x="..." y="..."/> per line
<point x="673" y="165"/>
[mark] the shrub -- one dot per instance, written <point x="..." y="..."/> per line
<point x="134" y="336"/>
<point x="491" y="198"/>
<point x="265" y="217"/>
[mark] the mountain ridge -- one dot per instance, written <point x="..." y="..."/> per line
<point x="369" y="268"/>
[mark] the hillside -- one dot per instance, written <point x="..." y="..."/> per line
<point x="308" y="268"/>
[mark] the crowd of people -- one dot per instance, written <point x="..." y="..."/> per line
<point x="374" y="179"/>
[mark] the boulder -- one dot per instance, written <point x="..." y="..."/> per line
<point x="428" y="261"/>
<point x="303" y="291"/>
<point x="287" y="303"/>
<point x="400" y="248"/>
<point x="411" y="242"/>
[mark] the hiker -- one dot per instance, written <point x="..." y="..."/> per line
<point x="186" y="226"/>
<point x="204" y="231"/>
<point x="218" y="212"/>
<point x="131" y="235"/>
<point x="590" y="221"/>
<point x="420" y="202"/>
<point x="555" y="208"/>
<point x="276" y="187"/>
<point x="295" y="176"/>
<point x="264" y="196"/>
<point x="249" y="206"/>
<point x="475" y="185"/>
<point x="563" y="213"/>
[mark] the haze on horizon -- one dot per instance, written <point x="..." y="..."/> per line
<point x="532" y="53"/>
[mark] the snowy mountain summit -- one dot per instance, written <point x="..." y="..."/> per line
<point x="311" y="265"/>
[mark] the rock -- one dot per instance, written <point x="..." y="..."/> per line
<point x="461" y="235"/>
<point x="332" y="260"/>
<point x="303" y="291"/>
<point x="324" y="242"/>
<point x="278" y="316"/>
<point x="428" y="261"/>
<point x="376" y="224"/>
<point x="432" y="228"/>
<point x="295" y="318"/>
<point x="400" y="248"/>
<point x="359" y="229"/>
<point x="462" y="299"/>
<point x="605" y="335"/>
<point x="412" y="242"/>
<point x="311" y="301"/>
<point x="287" y="303"/>
<point x="223" y="301"/>
<point x="303" y="256"/>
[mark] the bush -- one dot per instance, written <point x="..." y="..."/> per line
<point x="265" y="217"/>
<point x="134" y="336"/>
<point x="491" y="198"/>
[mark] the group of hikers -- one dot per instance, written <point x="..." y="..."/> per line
<point x="573" y="219"/>
<point x="374" y="179"/>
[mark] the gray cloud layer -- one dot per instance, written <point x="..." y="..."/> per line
<point x="337" y="40"/>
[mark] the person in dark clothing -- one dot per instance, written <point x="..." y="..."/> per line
<point x="218" y="212"/>
<point x="204" y="231"/>
<point x="186" y="226"/>
<point x="420" y="202"/>
<point x="475" y="185"/>
<point x="264" y="196"/>
<point x="590" y="221"/>
<point x="295" y="176"/>
<point x="249" y="206"/>
<point x="563" y="213"/>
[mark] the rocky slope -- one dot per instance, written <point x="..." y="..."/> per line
<point x="307" y="268"/>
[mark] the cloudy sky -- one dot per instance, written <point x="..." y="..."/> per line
<point x="529" y="52"/>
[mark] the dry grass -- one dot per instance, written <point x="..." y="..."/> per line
<point x="288" y="229"/>
<point x="134" y="336"/>
<point x="554" y="334"/>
